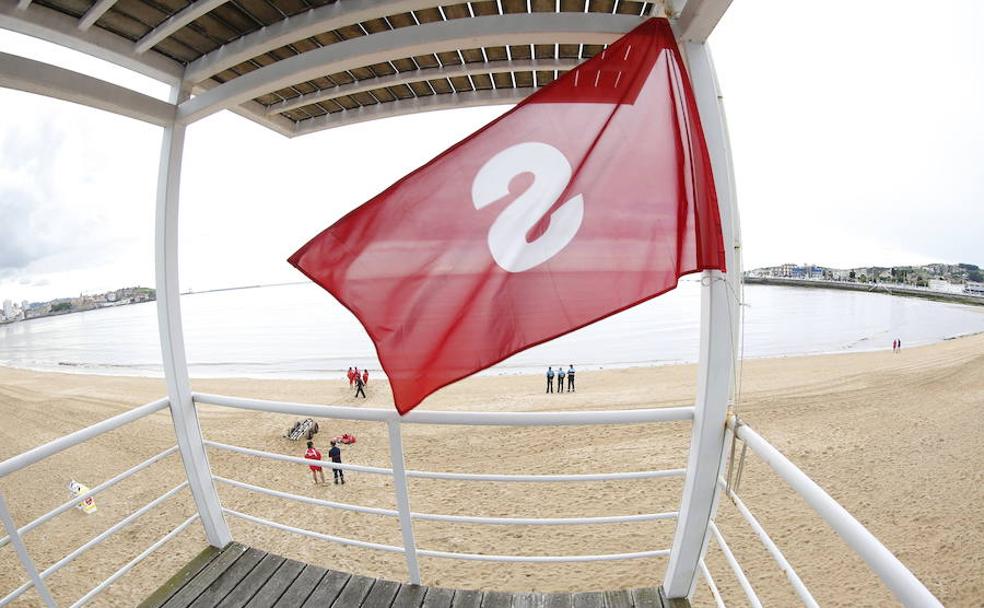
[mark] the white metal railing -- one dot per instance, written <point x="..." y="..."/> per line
<point x="14" y="534"/>
<point x="892" y="572"/>
<point x="400" y="474"/>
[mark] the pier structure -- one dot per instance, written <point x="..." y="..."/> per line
<point x="305" y="66"/>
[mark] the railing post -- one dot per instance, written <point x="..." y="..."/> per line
<point x="23" y="555"/>
<point x="183" y="414"/>
<point x="719" y="338"/>
<point x="403" y="498"/>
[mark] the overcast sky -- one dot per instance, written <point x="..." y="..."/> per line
<point x="858" y="139"/>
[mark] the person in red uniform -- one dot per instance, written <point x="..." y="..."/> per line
<point x="365" y="376"/>
<point x="351" y="377"/>
<point x="313" y="454"/>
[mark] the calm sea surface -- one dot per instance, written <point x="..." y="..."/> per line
<point x="299" y="331"/>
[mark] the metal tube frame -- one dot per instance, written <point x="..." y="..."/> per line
<point x="400" y="487"/>
<point x="25" y="558"/>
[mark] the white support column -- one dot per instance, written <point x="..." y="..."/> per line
<point x="403" y="499"/>
<point x="183" y="413"/>
<point x="719" y="338"/>
<point x="23" y="556"/>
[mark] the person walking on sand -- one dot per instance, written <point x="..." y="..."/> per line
<point x="550" y="376"/>
<point x="899" y="340"/>
<point x="570" y="379"/>
<point x="365" y="376"/>
<point x="560" y="378"/>
<point x="335" y="455"/>
<point x="360" y="386"/>
<point x="312" y="453"/>
<point x="351" y="377"/>
<point x="895" y="345"/>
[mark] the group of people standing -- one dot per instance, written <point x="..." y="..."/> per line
<point x="560" y="374"/>
<point x="359" y="380"/>
<point x="334" y="454"/>
<point x="897" y="345"/>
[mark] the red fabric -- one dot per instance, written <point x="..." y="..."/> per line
<point x="592" y="195"/>
<point x="313" y="454"/>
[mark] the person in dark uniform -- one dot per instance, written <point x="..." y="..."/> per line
<point x="335" y="455"/>
<point x="360" y="386"/>
<point x="550" y="377"/>
<point x="560" y="378"/>
<point x="570" y="379"/>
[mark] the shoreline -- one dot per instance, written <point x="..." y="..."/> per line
<point x="891" y="289"/>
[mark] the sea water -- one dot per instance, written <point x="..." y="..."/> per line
<point x="300" y="331"/>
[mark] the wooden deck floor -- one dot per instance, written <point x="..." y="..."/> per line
<point x="242" y="577"/>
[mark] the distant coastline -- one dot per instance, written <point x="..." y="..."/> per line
<point x="887" y="288"/>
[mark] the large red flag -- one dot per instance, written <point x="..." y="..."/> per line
<point x="592" y="195"/>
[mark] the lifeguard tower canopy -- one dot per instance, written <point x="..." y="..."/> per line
<point x="302" y="66"/>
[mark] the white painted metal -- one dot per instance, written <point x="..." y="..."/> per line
<point x="175" y="22"/>
<point x="335" y="539"/>
<point x="25" y="559"/>
<point x="903" y="584"/>
<point x="96" y="490"/>
<point x="494" y="30"/>
<point x="420" y="75"/>
<point x="718" y="600"/>
<point x="126" y="521"/>
<point x="402" y="492"/>
<point x="699" y="18"/>
<point x="183" y="413"/>
<point x="544" y="521"/>
<point x="667" y="414"/>
<point x="579" y="477"/>
<point x="720" y="314"/>
<point x="543" y="559"/>
<point x="39" y="453"/>
<point x="50" y="25"/>
<point x="95" y="11"/>
<point x="804" y="594"/>
<point x="746" y="586"/>
<point x="23" y="4"/>
<point x="40" y="78"/>
<point x="129" y="565"/>
<point x="308" y="500"/>
<point x="417" y="105"/>
<point x="360" y="468"/>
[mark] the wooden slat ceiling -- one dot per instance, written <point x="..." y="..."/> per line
<point x="133" y="19"/>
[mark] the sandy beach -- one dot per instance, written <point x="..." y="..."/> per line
<point x="895" y="438"/>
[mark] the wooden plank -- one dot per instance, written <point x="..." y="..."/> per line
<point x="497" y="599"/>
<point x="302" y="587"/>
<point x="250" y="585"/>
<point x="228" y="580"/>
<point x="528" y="600"/>
<point x="179" y="580"/>
<point x="354" y="592"/>
<point x="591" y="599"/>
<point x="618" y="599"/>
<point x="327" y="590"/>
<point x="467" y="599"/>
<point x="275" y="586"/>
<point x="381" y="595"/>
<point x="409" y="596"/>
<point x="674" y="603"/>
<point x="206" y="577"/>
<point x="647" y="597"/>
<point x="557" y="600"/>
<point x="438" y="597"/>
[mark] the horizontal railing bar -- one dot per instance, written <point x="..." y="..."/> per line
<point x="804" y="594"/>
<point x="306" y="499"/>
<point x="96" y="490"/>
<point x="63" y="443"/>
<point x="544" y="521"/>
<point x="129" y="565"/>
<point x="95" y="541"/>
<point x="303" y="532"/>
<point x="607" y="557"/>
<point x="746" y="586"/>
<point x="548" y="478"/>
<point x="903" y="584"/>
<point x="668" y="414"/>
<point x="299" y="460"/>
<point x="718" y="600"/>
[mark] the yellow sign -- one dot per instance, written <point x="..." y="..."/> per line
<point x="88" y="506"/>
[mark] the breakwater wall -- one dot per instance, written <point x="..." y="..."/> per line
<point x="887" y="288"/>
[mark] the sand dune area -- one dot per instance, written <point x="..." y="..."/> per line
<point x="896" y="438"/>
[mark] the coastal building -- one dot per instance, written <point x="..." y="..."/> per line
<point x="975" y="289"/>
<point x="8" y="309"/>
